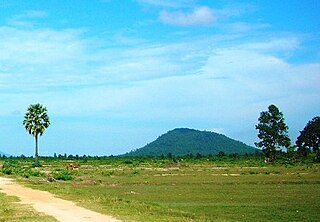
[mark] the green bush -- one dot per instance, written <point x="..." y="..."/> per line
<point x="7" y="171"/>
<point x="128" y="162"/>
<point x="135" y="172"/>
<point x="34" y="173"/>
<point x="62" y="175"/>
<point x="36" y="164"/>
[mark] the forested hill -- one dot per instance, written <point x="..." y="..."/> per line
<point x="183" y="141"/>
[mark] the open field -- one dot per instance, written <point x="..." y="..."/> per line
<point x="182" y="190"/>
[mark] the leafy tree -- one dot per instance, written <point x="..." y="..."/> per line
<point x="36" y="120"/>
<point x="309" y="138"/>
<point x="272" y="132"/>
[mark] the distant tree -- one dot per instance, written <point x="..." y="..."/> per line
<point x="234" y="155"/>
<point x="309" y="138"/>
<point x="198" y="156"/>
<point x="70" y="157"/>
<point x="221" y="154"/>
<point x="36" y="121"/>
<point x="272" y="132"/>
<point x="291" y="151"/>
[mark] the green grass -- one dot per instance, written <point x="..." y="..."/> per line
<point x="202" y="190"/>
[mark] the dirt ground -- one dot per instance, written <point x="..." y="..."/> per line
<point x="45" y="202"/>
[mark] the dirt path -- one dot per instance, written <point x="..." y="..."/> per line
<point x="45" y="202"/>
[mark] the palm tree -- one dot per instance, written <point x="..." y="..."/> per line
<point x="36" y="120"/>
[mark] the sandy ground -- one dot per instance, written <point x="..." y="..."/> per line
<point x="45" y="202"/>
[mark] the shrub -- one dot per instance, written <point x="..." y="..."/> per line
<point x="35" y="173"/>
<point x="135" y="172"/>
<point x="128" y="162"/>
<point x="36" y="164"/>
<point x="7" y="171"/>
<point x="62" y="175"/>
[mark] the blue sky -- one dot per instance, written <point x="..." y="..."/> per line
<point x="115" y="75"/>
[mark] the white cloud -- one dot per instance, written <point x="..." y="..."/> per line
<point x="27" y="18"/>
<point x="244" y="27"/>
<point x="274" y="44"/>
<point x="257" y="78"/>
<point x="33" y="14"/>
<point x="68" y="71"/>
<point x="154" y="79"/>
<point x="40" y="58"/>
<point x="199" y="16"/>
<point x="235" y="9"/>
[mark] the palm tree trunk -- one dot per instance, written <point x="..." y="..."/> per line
<point x="36" y="150"/>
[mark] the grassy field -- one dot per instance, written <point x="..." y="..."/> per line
<point x="182" y="190"/>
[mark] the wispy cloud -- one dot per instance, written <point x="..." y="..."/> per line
<point x="42" y="57"/>
<point x="257" y="75"/>
<point x="77" y="68"/>
<point x="33" y="14"/>
<point x="168" y="3"/>
<point x="274" y="44"/>
<point x="235" y="10"/>
<point x="244" y="27"/>
<point x="27" y="18"/>
<point x="199" y="16"/>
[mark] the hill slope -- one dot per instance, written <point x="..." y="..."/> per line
<point x="185" y="141"/>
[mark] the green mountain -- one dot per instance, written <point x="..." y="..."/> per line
<point x="185" y="141"/>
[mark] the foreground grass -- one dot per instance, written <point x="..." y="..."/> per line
<point x="11" y="211"/>
<point x="190" y="191"/>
